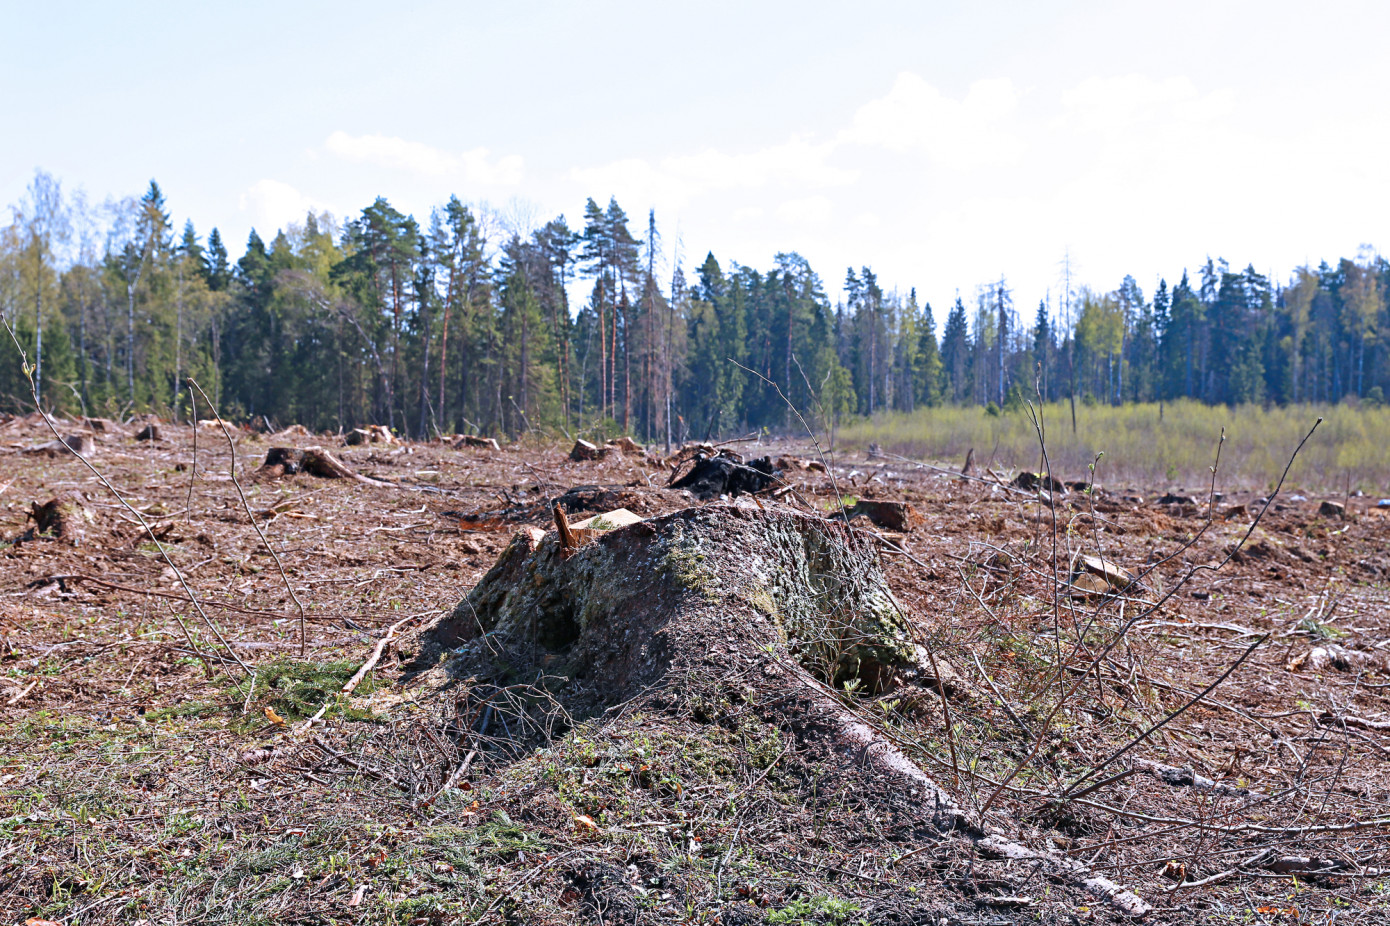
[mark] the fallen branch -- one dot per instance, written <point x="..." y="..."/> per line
<point x="1186" y="777"/>
<point x="1332" y="720"/>
<point x="1296" y="865"/>
<point x="116" y="586"/>
<point x="358" y="766"/>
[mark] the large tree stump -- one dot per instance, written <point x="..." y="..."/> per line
<point x="83" y="444"/>
<point x="315" y="461"/>
<point x="63" y="517"/>
<point x="583" y="450"/>
<point x="627" y="445"/>
<point x="726" y="475"/>
<point x="893" y="516"/>
<point x="371" y="434"/>
<point x="282" y="461"/>
<point x="786" y="612"/>
<point x="663" y="595"/>
<point x="106" y="427"/>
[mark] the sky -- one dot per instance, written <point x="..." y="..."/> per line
<point x="943" y="145"/>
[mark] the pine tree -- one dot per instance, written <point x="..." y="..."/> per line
<point x="1044" y="348"/>
<point x="930" y="370"/>
<point x="216" y="268"/>
<point x="955" y="353"/>
<point x="1181" y="341"/>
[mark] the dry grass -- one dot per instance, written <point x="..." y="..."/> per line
<point x="1143" y="449"/>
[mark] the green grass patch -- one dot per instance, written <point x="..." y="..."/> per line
<point x="292" y="689"/>
<point x="296" y="690"/>
<point x="814" y="911"/>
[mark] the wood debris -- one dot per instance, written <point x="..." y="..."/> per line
<point x="481" y="443"/>
<point x="371" y="434"/>
<point x="890" y="515"/>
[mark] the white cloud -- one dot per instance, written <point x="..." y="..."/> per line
<point x="1128" y="173"/>
<point x="1111" y="103"/>
<point x="633" y="180"/>
<point x="810" y="210"/>
<point x="273" y="205"/>
<point x="912" y="117"/>
<point x="796" y="163"/>
<point x="915" y="116"/>
<point x="474" y="165"/>
<point x="676" y="181"/>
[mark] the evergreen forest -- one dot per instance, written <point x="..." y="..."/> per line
<point x="459" y="323"/>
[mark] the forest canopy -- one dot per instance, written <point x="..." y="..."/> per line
<point x="462" y="324"/>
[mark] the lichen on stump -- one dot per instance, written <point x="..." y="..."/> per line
<point x="684" y="592"/>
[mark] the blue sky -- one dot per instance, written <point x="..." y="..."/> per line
<point x="944" y="145"/>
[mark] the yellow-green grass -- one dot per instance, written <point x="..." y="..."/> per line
<point x="1143" y="448"/>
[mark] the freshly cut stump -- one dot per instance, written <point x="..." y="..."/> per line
<point x="785" y="608"/>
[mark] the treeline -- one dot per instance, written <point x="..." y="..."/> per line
<point x="464" y="324"/>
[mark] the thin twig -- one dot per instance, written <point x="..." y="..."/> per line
<point x="289" y="587"/>
<point x="1124" y="629"/>
<point x="16" y="699"/>
<point x="1166" y="720"/>
<point x="193" y="471"/>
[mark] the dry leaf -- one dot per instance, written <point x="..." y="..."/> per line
<point x="585" y="822"/>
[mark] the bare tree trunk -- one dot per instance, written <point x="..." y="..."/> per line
<point x="787" y="373"/>
<point x="130" y="339"/>
<point x="444" y="342"/>
<point x="178" y="348"/>
<point x="82" y="338"/>
<point x="602" y="362"/>
<point x="424" y="372"/>
<point x="38" y="320"/>
<point x="395" y="347"/>
<point x="627" y="360"/>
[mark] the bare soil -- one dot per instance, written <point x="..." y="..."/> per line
<point x="142" y="779"/>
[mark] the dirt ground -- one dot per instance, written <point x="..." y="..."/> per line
<point x="143" y="779"/>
